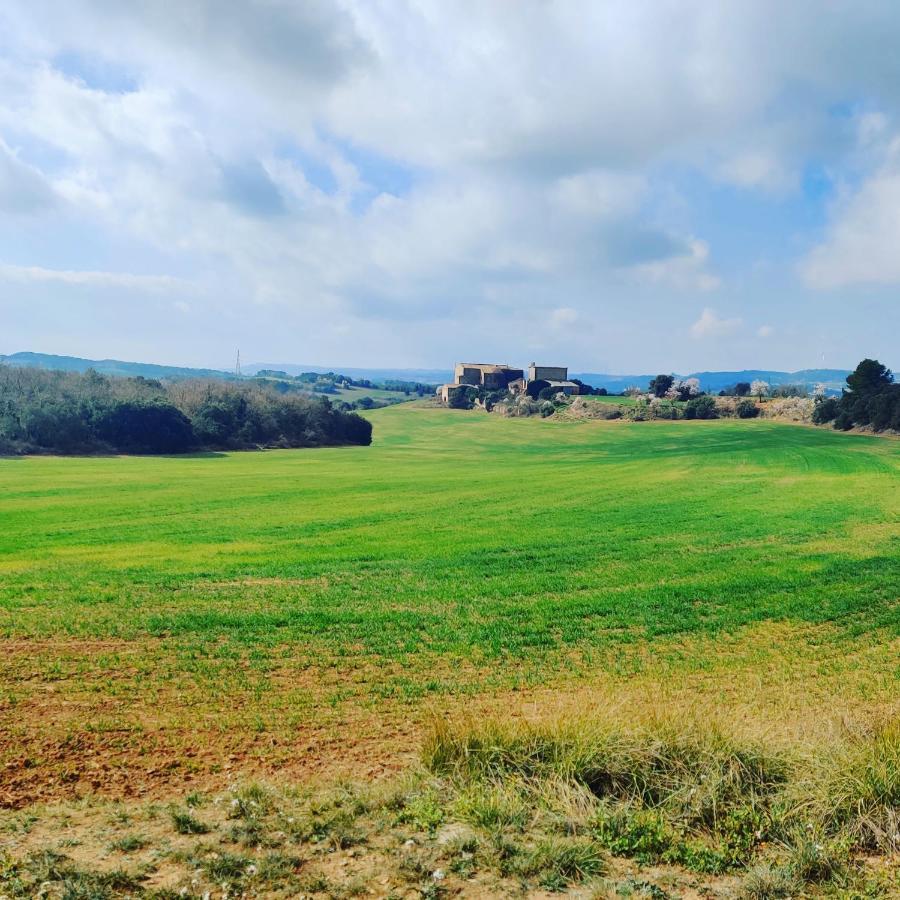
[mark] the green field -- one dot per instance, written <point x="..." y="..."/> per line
<point x="459" y="534"/>
<point x="175" y="621"/>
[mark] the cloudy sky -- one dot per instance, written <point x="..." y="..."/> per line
<point x="620" y="186"/>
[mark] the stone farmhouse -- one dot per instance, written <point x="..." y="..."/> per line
<point x="500" y="377"/>
<point x="557" y="377"/>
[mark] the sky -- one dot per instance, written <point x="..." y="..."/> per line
<point x="626" y="186"/>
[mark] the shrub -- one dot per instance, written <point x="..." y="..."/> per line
<point x="701" y="408"/>
<point x="535" y="387"/>
<point x="354" y="429"/>
<point x="794" y="409"/>
<point x="746" y="409"/>
<point x="140" y="427"/>
<point x="67" y="412"/>
<point x="883" y="408"/>
<point x="825" y="411"/>
<point x="462" y="398"/>
<point x="662" y="409"/>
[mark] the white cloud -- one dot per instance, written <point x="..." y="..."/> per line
<point x="23" y="189"/>
<point x="712" y="325"/>
<point x="765" y="331"/>
<point x="755" y="169"/>
<point x="354" y="168"/>
<point x="684" y="271"/>
<point x="36" y="274"/>
<point x="862" y="241"/>
<point x="563" y="316"/>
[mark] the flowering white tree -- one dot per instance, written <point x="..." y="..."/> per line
<point x="819" y="392"/>
<point x="684" y="390"/>
<point x="760" y="388"/>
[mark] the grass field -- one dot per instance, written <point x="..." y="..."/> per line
<point x="174" y="623"/>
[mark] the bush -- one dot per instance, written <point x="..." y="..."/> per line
<point x="662" y="409"/>
<point x="462" y="398"/>
<point x="701" y="408"/>
<point x="535" y="387"/>
<point x="825" y="411"/>
<point x="746" y="409"/>
<point x="138" y="427"/>
<point x="355" y="429"/>
<point x="794" y="409"/>
<point x="67" y="412"/>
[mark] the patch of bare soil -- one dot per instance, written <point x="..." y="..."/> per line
<point x="107" y="718"/>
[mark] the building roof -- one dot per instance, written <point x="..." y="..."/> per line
<point x="486" y="367"/>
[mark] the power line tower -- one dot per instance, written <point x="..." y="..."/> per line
<point x="237" y="365"/>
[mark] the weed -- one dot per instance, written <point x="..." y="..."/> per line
<point x="185" y="823"/>
<point x="129" y="843"/>
<point x="764" y="881"/>
<point x="315" y="884"/>
<point x="47" y="865"/>
<point x="249" y="802"/>
<point x="275" y="866"/>
<point x="632" y="887"/>
<point x="493" y="806"/>
<point x="558" y="862"/>
<point x="224" y="866"/>
<point x="856" y="789"/>
<point x="424" y="810"/>
<point x="643" y="834"/>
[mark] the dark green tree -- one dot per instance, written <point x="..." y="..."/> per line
<point x="661" y="384"/>
<point x="869" y="377"/>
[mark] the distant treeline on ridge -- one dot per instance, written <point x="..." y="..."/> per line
<point x="68" y="412"/>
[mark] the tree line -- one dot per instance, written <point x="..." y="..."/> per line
<point x="69" y="412"/>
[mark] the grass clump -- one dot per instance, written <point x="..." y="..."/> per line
<point x="494" y="806"/>
<point x="250" y="802"/>
<point x="186" y="823"/>
<point x="557" y="862"/>
<point x="686" y="791"/>
<point x="855" y="791"/>
<point x="48" y="873"/>
<point x="130" y="843"/>
<point x="225" y="866"/>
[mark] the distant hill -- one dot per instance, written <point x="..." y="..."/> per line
<point x="713" y="382"/>
<point x="107" y="366"/>
<point x="426" y="376"/>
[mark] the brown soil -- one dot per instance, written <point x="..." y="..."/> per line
<point x="108" y="718"/>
